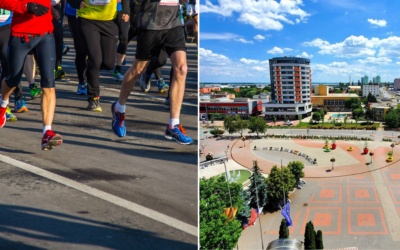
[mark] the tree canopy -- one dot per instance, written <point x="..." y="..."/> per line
<point x="352" y="103"/>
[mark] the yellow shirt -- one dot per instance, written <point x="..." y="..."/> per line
<point x="99" y="12"/>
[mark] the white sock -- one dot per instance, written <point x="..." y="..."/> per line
<point x="120" y="108"/>
<point x="4" y="103"/>
<point x="45" y="128"/>
<point x="173" y="122"/>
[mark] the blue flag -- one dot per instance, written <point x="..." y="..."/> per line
<point x="286" y="214"/>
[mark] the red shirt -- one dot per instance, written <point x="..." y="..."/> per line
<point x="25" y="23"/>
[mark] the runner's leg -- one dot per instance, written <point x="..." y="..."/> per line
<point x="58" y="35"/>
<point x="123" y="31"/>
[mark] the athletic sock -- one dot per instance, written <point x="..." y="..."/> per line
<point x="117" y="69"/>
<point x="120" y="108"/>
<point x="4" y="103"/>
<point x="173" y="122"/>
<point x="45" y="128"/>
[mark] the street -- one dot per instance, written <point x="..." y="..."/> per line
<point x="96" y="190"/>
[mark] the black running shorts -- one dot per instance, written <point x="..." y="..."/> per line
<point x="150" y="42"/>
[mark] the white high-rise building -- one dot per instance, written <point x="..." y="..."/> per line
<point x="291" y="88"/>
<point x="370" y="88"/>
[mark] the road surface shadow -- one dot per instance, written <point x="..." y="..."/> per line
<point x="46" y="228"/>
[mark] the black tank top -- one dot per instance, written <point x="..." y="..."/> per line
<point x="159" y="14"/>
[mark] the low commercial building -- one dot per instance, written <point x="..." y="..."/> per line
<point x="208" y="90"/>
<point x="371" y="88"/>
<point x="333" y="102"/>
<point x="221" y="107"/>
<point x="357" y="89"/>
<point x="291" y="111"/>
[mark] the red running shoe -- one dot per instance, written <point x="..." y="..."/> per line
<point x="51" y="140"/>
<point x="3" y="116"/>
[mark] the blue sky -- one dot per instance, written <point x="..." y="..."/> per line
<point x="341" y="37"/>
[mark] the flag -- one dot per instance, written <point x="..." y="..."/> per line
<point x="253" y="217"/>
<point x="286" y="214"/>
<point x="230" y="213"/>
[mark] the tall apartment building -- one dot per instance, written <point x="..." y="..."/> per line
<point x="370" y="88"/>
<point x="291" y="88"/>
<point x="376" y="79"/>
<point x="396" y="84"/>
<point x="364" y="80"/>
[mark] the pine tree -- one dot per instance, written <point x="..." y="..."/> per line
<point x="246" y="211"/>
<point x="319" y="240"/>
<point x="309" y="236"/>
<point x="257" y="178"/>
<point x="283" y="230"/>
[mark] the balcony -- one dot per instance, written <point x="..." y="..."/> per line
<point x="297" y="84"/>
<point x="277" y="74"/>
<point x="310" y="79"/>
<point x="279" y="99"/>
<point x="310" y="70"/>
<point x="279" y="89"/>
<point x="298" y="99"/>
<point x="298" y="89"/>
<point x="277" y="69"/>
<point x="278" y="80"/>
<point x="278" y="84"/>
<point x="297" y="69"/>
<point x="279" y="94"/>
<point x="297" y="79"/>
<point x="297" y="74"/>
<point x="310" y="75"/>
<point x="298" y="94"/>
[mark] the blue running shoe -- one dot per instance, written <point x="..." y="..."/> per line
<point x="118" y="122"/>
<point x="177" y="133"/>
<point x="82" y="89"/>
<point x="167" y="103"/>
<point x="20" y="106"/>
<point x="162" y="86"/>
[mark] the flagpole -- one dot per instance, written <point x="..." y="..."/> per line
<point x="258" y="207"/>
<point x="229" y="190"/>
<point x="284" y="200"/>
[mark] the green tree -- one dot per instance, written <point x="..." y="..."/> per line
<point x="212" y="119"/>
<point x="296" y="167"/>
<point x="241" y="125"/>
<point x="283" y="230"/>
<point x="392" y="119"/>
<point x="216" y="231"/>
<point x="345" y="120"/>
<point x="300" y="118"/>
<point x="238" y="95"/>
<point x="358" y="112"/>
<point x="245" y="213"/>
<point x="325" y="111"/>
<point x="257" y="125"/>
<point x="229" y="124"/>
<point x="285" y="118"/>
<point x="316" y="116"/>
<point x="279" y="181"/>
<point x="369" y="113"/>
<point x="319" y="242"/>
<point x="365" y="101"/>
<point x="352" y="103"/>
<point x="257" y="180"/>
<point x="371" y="98"/>
<point x="274" y="119"/>
<point x="309" y="236"/>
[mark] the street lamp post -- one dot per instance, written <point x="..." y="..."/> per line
<point x="203" y="149"/>
<point x="333" y="160"/>
<point x="392" y="147"/>
<point x="226" y="152"/>
<point x="371" y="154"/>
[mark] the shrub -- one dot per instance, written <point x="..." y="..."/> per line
<point x="217" y="132"/>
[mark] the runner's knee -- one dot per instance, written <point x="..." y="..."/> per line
<point x="181" y="70"/>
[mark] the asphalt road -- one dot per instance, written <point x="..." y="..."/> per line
<point x="143" y="168"/>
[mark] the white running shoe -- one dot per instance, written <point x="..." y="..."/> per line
<point x="145" y="82"/>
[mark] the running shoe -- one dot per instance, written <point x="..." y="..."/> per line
<point x="117" y="76"/>
<point x="82" y="89"/>
<point x="145" y="82"/>
<point x="162" y="86"/>
<point x="118" y="122"/>
<point x="59" y="73"/>
<point x="177" y="133"/>
<point x="3" y="116"/>
<point x="94" y="104"/>
<point x="51" y="140"/>
<point x="65" y="50"/>
<point x="35" y="92"/>
<point x="9" y="116"/>
<point x="167" y="103"/>
<point x="20" y="106"/>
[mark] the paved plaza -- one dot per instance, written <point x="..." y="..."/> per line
<point x="355" y="205"/>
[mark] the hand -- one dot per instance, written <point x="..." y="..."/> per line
<point x="36" y="9"/>
<point x="83" y="4"/>
<point x="55" y="13"/>
<point x="125" y="17"/>
<point x="183" y="1"/>
<point x="118" y="1"/>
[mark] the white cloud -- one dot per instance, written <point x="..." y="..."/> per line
<point x="259" y="38"/>
<point x="304" y="54"/>
<point x="261" y="14"/>
<point x="398" y="63"/>
<point x="338" y="64"/>
<point x="375" y="60"/>
<point x="261" y="69"/>
<point x="251" y="61"/>
<point x="224" y="36"/>
<point x="212" y="58"/>
<point x="277" y="50"/>
<point x="353" y="46"/>
<point x="380" y="23"/>
<point x="389" y="33"/>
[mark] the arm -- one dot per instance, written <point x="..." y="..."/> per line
<point x="74" y="3"/>
<point x="125" y="7"/>
<point x="17" y="6"/>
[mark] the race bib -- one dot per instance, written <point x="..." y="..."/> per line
<point x="169" y="2"/>
<point x="4" y="15"/>
<point x="98" y="2"/>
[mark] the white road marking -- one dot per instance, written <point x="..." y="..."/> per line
<point x="137" y="94"/>
<point x="169" y="221"/>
